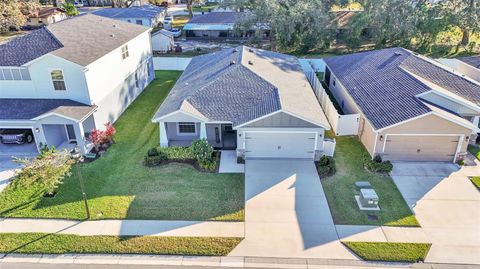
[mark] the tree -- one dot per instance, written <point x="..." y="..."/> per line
<point x="464" y="14"/>
<point x="294" y="25"/>
<point x="190" y="4"/>
<point x="70" y="9"/>
<point x="14" y="13"/>
<point x="48" y="169"/>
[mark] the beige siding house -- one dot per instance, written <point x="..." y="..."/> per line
<point x="411" y="108"/>
<point x="47" y="16"/>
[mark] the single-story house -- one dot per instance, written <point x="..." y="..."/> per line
<point x="411" y="108"/>
<point x="218" y="25"/>
<point x="256" y="102"/>
<point x="46" y="16"/>
<point x="163" y="41"/>
<point x="146" y="15"/>
<point x="468" y="66"/>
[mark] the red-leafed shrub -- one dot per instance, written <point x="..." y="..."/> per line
<point x="99" y="137"/>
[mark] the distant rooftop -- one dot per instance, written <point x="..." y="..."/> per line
<point x="82" y="39"/>
<point x="145" y="11"/>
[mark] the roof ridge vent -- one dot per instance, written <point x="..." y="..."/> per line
<point x="397" y="53"/>
<point x="250" y="62"/>
<point x="235" y="50"/>
<point x="112" y="35"/>
<point x="250" y="49"/>
<point x="232" y="62"/>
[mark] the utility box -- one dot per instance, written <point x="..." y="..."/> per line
<point x="362" y="185"/>
<point x="368" y="198"/>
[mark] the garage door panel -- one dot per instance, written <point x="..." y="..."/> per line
<point x="279" y="145"/>
<point x="421" y="148"/>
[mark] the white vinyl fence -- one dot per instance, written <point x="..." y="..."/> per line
<point x="170" y="63"/>
<point x="341" y="124"/>
<point x="329" y="146"/>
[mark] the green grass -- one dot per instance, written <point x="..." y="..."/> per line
<point x="476" y="181"/>
<point x="119" y="186"/>
<point x="340" y="188"/>
<point x="474" y="150"/>
<point x="33" y="243"/>
<point x="391" y="252"/>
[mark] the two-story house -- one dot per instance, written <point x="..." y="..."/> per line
<point x="66" y="79"/>
<point x="411" y="108"/>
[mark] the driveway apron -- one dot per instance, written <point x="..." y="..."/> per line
<point x="446" y="204"/>
<point x="286" y="213"/>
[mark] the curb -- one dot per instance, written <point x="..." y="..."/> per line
<point x="212" y="261"/>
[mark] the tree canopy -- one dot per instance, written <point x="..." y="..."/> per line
<point x="14" y="13"/>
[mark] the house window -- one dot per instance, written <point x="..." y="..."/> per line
<point x="136" y="79"/>
<point x="187" y="128"/>
<point x="125" y="52"/>
<point x="333" y="82"/>
<point x="58" y="80"/>
<point x="139" y="22"/>
<point x="14" y="74"/>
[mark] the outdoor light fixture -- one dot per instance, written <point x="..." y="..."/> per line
<point x="381" y="138"/>
<point x="37" y="130"/>
<point x="466" y="138"/>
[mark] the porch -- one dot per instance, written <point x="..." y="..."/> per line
<point x="182" y="134"/>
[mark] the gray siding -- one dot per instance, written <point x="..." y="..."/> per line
<point x="173" y="136"/>
<point x="281" y="120"/>
<point x="55" y="134"/>
<point x="211" y="134"/>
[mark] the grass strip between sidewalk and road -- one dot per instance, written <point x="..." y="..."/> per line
<point x="389" y="252"/>
<point x="475" y="150"/>
<point x="43" y="243"/>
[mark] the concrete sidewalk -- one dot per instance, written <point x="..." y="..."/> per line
<point x="124" y="227"/>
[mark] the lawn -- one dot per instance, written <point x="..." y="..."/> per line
<point x="391" y="252"/>
<point x="476" y="182"/>
<point x="475" y="150"/>
<point x="119" y="186"/>
<point x="32" y="243"/>
<point x="340" y="188"/>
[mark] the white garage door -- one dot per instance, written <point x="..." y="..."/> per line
<point x="421" y="148"/>
<point x="279" y="145"/>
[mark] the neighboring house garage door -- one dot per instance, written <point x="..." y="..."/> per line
<point x="421" y="148"/>
<point x="279" y="145"/>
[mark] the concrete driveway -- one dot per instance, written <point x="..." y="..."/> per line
<point x="7" y="170"/>
<point x="447" y="206"/>
<point x="286" y="213"/>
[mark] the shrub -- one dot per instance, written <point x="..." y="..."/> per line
<point x="177" y="153"/>
<point x="377" y="165"/>
<point x="326" y="166"/>
<point x="155" y="159"/>
<point x="48" y="169"/>
<point x="202" y="151"/>
<point x="152" y="152"/>
<point x="99" y="137"/>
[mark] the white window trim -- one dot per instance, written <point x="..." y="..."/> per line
<point x="187" y="134"/>
<point x="123" y="52"/>
<point x="64" y="79"/>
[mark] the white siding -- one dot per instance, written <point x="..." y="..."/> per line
<point x="41" y="85"/>
<point x="111" y="79"/>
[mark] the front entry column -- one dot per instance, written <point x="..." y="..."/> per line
<point x="163" y="134"/>
<point x="203" y="130"/>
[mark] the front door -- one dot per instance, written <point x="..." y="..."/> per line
<point x="70" y="133"/>
<point x="229" y="137"/>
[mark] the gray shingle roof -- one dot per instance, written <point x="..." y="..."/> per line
<point x="145" y="11"/>
<point x="24" y="49"/>
<point x="239" y="85"/>
<point x="27" y="109"/>
<point x="82" y="40"/>
<point x="472" y="60"/>
<point x="380" y="83"/>
<point x="88" y="37"/>
<point x="218" y="17"/>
